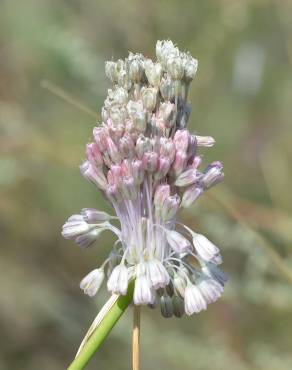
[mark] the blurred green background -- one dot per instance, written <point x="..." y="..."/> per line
<point x="242" y="96"/>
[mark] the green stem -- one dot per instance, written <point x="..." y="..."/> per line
<point x="102" y="331"/>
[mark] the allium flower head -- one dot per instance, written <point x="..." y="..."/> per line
<point x="146" y="163"/>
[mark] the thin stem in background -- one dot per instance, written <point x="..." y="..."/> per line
<point x="136" y="337"/>
<point x="225" y="201"/>
<point x="58" y="91"/>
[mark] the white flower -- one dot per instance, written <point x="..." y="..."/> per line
<point x="210" y="289"/>
<point x="83" y="232"/>
<point x="157" y="274"/>
<point x="92" y="215"/>
<point x="194" y="300"/>
<point x="177" y="242"/>
<point x="143" y="293"/>
<point x="75" y="226"/>
<point x="153" y="72"/>
<point x="190" y="67"/>
<point x="118" y="280"/>
<point x="206" y="249"/>
<point x="91" y="283"/>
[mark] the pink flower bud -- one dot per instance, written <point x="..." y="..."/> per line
<point x="113" y="151"/>
<point x="213" y="174"/>
<point x="107" y="160"/>
<point x="93" y="154"/>
<point x="143" y="145"/>
<point x="163" y="167"/>
<point x="179" y="163"/>
<point x="93" y="174"/>
<point x="187" y="177"/>
<point x="127" y="147"/>
<point x="114" y="194"/>
<point x="150" y="161"/>
<point x="127" y="169"/>
<point x="138" y="171"/>
<point x="181" y="140"/>
<point x="196" y="161"/>
<point x="167" y="148"/>
<point x="162" y="192"/>
<point x="191" y="194"/>
<point x="157" y="125"/>
<point x="100" y="136"/>
<point x="170" y="207"/>
<point x="114" y="175"/>
<point x="191" y="151"/>
<point x="116" y="130"/>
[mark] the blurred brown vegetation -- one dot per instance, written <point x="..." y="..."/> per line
<point x="242" y="96"/>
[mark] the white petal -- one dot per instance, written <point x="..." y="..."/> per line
<point x="91" y="283"/>
<point x="206" y="249"/>
<point x="118" y="280"/>
<point x="143" y="293"/>
<point x="210" y="289"/>
<point x="157" y="274"/>
<point x="177" y="242"/>
<point x="194" y="300"/>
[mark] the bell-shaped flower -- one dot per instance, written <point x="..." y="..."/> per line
<point x="118" y="280"/>
<point x="194" y="300"/>
<point x="178" y="242"/>
<point x="91" y="283"/>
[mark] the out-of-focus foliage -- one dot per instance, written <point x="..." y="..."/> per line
<point x="242" y="96"/>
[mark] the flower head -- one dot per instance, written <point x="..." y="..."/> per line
<point x="146" y="163"/>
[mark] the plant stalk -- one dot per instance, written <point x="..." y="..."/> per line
<point x="102" y="331"/>
<point x="136" y="337"/>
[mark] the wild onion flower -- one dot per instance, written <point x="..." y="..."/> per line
<point x="146" y="163"/>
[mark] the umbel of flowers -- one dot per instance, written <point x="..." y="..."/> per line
<point x="146" y="163"/>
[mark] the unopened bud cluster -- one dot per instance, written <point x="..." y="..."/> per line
<point x="147" y="165"/>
